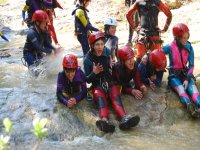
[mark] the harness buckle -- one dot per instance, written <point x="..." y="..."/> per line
<point x="105" y="85"/>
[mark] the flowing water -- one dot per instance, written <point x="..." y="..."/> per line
<point x="23" y="98"/>
<point x="164" y="122"/>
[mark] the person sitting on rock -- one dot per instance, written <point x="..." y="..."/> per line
<point x="152" y="68"/>
<point x="111" y="40"/>
<point x="97" y="67"/>
<point x="71" y="82"/>
<point x="38" y="41"/>
<point x="126" y="73"/>
<point x="82" y="24"/>
<point x="181" y="66"/>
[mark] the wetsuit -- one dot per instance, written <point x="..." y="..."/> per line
<point x="36" y="43"/>
<point x="82" y="27"/>
<point x="102" y="84"/>
<point x="67" y="89"/>
<point x="179" y="71"/>
<point x="147" y="70"/>
<point x="51" y="28"/>
<point x="30" y="7"/>
<point x="122" y="76"/>
<point x="148" y="32"/>
<point x="111" y="42"/>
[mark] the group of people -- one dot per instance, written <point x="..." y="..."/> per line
<point x="41" y="30"/>
<point x="112" y="70"/>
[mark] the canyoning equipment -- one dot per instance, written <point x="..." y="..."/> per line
<point x="129" y="121"/>
<point x="105" y="126"/>
<point x="125" y="53"/>
<point x="95" y="36"/>
<point x="179" y="29"/>
<point x="40" y="16"/>
<point x="110" y="22"/>
<point x="194" y="112"/>
<point x="158" y="59"/>
<point x="70" y="62"/>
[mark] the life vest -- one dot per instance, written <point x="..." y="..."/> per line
<point x="79" y="28"/>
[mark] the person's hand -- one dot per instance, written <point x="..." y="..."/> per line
<point x="185" y="84"/>
<point x="143" y="88"/>
<point x="137" y="94"/>
<point x="153" y="77"/>
<point x="152" y="85"/>
<point x="97" y="68"/>
<point x="71" y="102"/>
<point x="162" y="31"/>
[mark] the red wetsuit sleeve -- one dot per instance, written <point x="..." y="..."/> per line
<point x="168" y="13"/>
<point x="130" y="14"/>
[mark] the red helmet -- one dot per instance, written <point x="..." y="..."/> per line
<point x="95" y="36"/>
<point x="158" y="59"/>
<point x="40" y="15"/>
<point x="125" y="53"/>
<point x="70" y="61"/>
<point x="179" y="29"/>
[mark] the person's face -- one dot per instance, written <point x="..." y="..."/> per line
<point x="183" y="40"/>
<point x="129" y="63"/>
<point x="112" y="30"/>
<point x="43" y="26"/>
<point x="70" y="73"/>
<point x="98" y="47"/>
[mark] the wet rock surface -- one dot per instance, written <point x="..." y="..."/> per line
<point x="23" y="98"/>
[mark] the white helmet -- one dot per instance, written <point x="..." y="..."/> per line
<point x="110" y="21"/>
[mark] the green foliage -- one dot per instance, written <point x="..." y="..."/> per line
<point x="8" y="125"/>
<point x="4" y="140"/>
<point x="39" y="128"/>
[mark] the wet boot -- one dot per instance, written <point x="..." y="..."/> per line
<point x="194" y="112"/>
<point x="128" y="122"/>
<point x="105" y="126"/>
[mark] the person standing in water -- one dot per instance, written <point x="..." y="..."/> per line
<point x="83" y="25"/>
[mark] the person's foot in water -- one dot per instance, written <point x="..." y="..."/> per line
<point x="105" y="126"/>
<point x="128" y="122"/>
